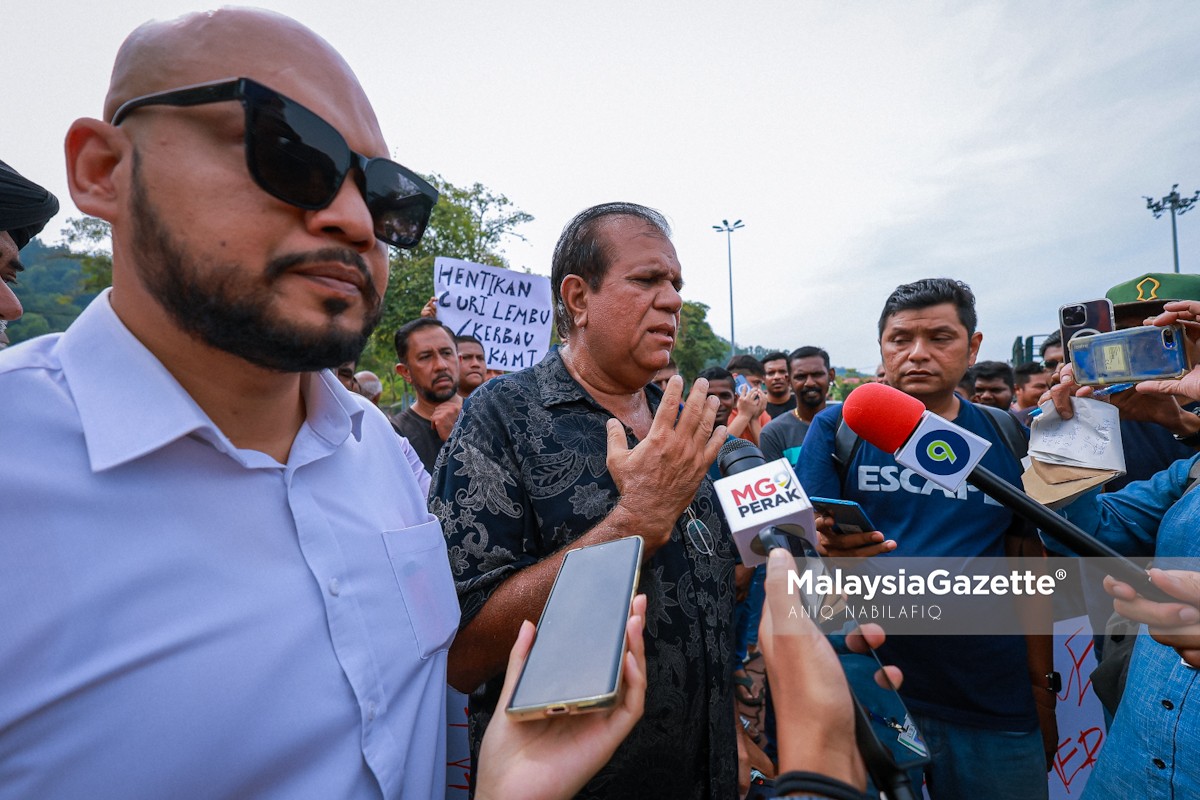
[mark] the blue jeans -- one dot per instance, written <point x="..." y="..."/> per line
<point x="746" y="616"/>
<point x="965" y="761"/>
<point x="983" y="764"/>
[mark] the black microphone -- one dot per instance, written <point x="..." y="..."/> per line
<point x="738" y="455"/>
<point x="934" y="448"/>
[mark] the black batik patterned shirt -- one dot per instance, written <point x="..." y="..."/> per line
<point x="523" y="475"/>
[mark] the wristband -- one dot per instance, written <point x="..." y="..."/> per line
<point x="1053" y="683"/>
<point x="809" y="783"/>
<point x="1192" y="439"/>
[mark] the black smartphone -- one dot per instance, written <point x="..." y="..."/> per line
<point x="848" y="516"/>
<point x="1084" y="319"/>
<point x="575" y="663"/>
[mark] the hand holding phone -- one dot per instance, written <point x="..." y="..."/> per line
<point x="1176" y="625"/>
<point x="576" y="661"/>
<point x="577" y="745"/>
<point x="840" y="539"/>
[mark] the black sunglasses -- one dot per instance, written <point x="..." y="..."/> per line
<point x="296" y="156"/>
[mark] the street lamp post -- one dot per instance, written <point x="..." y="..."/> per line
<point x="1177" y="205"/>
<point x="728" y="230"/>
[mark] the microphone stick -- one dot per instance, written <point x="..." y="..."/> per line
<point x="890" y="420"/>
<point x="1064" y="531"/>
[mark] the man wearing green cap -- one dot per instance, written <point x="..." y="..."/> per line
<point x="1144" y="296"/>
<point x="1151" y="748"/>
<point x="25" y="208"/>
<point x="1156" y="430"/>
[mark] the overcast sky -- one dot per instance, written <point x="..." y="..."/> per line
<point x="863" y="144"/>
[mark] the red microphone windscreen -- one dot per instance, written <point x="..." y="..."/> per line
<point x="881" y="415"/>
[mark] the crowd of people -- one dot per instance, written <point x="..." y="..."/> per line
<point x="228" y="573"/>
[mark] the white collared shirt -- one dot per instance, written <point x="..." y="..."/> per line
<point x="179" y="617"/>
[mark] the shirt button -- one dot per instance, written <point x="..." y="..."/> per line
<point x="335" y="588"/>
<point x="370" y="712"/>
<point x="1158" y="762"/>
<point x="1168" y="705"/>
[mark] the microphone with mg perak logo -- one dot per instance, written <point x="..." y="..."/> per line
<point x="759" y="526"/>
<point x="948" y="455"/>
<point x="761" y="499"/>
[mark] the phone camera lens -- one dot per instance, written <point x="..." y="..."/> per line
<point x="1168" y="337"/>
<point x="1074" y="315"/>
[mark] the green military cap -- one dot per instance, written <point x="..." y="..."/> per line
<point x="1144" y="296"/>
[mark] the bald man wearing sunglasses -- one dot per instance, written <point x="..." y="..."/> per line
<point x="218" y="573"/>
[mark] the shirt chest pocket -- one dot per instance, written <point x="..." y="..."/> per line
<point x="422" y="569"/>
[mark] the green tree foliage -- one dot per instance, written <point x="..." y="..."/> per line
<point x="51" y="289"/>
<point x="698" y="347"/>
<point x="90" y="243"/>
<point x="468" y="223"/>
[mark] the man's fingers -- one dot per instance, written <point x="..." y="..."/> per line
<point x="716" y="440"/>
<point x="668" y="409"/>
<point x="1118" y="589"/>
<point x="862" y="552"/>
<point x="890" y="677"/>
<point x="871" y="636"/>
<point x="1172" y="387"/>
<point x="855" y="545"/>
<point x="705" y="421"/>
<point x="1063" y="390"/>
<point x="616" y="437"/>
<point x="1177" y="311"/>
<point x="1158" y="615"/>
<point x="868" y="635"/>
<point x="778" y="602"/>
<point x="849" y="541"/>
<point x="684" y="419"/>
<point x="1178" y="583"/>
<point x="1182" y="584"/>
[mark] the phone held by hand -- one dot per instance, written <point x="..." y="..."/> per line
<point x="576" y="660"/>
<point x="1144" y="353"/>
<point x="741" y="386"/>
<point x="1084" y="319"/>
<point x="848" y="516"/>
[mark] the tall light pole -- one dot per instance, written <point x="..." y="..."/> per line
<point x="1177" y="205"/>
<point x="728" y="230"/>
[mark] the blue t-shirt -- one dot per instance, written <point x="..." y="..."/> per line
<point x="1149" y="449"/>
<point x="970" y="680"/>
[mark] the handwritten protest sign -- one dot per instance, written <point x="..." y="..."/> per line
<point x="458" y="746"/>
<point x="1080" y="717"/>
<point x="508" y="311"/>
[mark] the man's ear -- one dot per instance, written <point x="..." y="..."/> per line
<point x="575" y="293"/>
<point x="976" y="340"/>
<point x="402" y="371"/>
<point x="99" y="160"/>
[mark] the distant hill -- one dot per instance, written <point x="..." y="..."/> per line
<point x="50" y="289"/>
